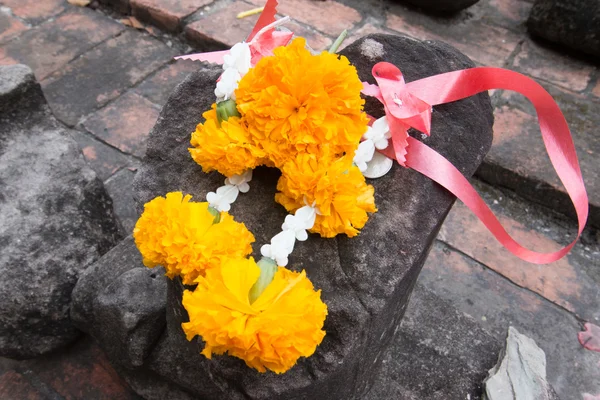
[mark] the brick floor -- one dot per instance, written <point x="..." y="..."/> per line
<point x="80" y="372"/>
<point x="10" y="26"/>
<point x="158" y="87"/>
<point x="50" y="46"/>
<point x="518" y="159"/>
<point x="166" y="14"/>
<point x="549" y="64"/>
<point x="102" y="158"/>
<point x="219" y="27"/>
<point x="486" y="44"/>
<point x="103" y="74"/>
<point x="495" y="303"/>
<point x="562" y="282"/>
<point x="125" y="123"/>
<point x="35" y="11"/>
<point x="109" y="82"/>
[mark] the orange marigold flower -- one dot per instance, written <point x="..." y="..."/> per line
<point x="295" y="102"/>
<point x="338" y="190"/>
<point x="227" y="148"/>
<point x="283" y="324"/>
<point x="181" y="235"/>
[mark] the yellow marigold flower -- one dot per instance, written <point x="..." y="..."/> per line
<point x="227" y="148"/>
<point x="181" y="235"/>
<point x="338" y="189"/>
<point x="296" y="102"/>
<point x="282" y="325"/>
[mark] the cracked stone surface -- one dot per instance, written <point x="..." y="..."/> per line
<point x="55" y="220"/>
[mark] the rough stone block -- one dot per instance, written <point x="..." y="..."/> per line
<point x="366" y="289"/>
<point x="571" y="23"/>
<point x="55" y="220"/>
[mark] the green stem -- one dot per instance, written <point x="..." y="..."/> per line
<point x="216" y="214"/>
<point x="338" y="42"/>
<point x="268" y="267"/>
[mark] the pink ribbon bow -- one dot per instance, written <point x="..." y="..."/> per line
<point x="409" y="105"/>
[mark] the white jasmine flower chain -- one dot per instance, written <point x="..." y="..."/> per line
<point x="294" y="228"/>
<point x="365" y="156"/>
<point x="379" y="133"/>
<point x="226" y="195"/>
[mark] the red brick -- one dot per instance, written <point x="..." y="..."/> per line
<point x="561" y="282"/>
<point x="221" y="27"/>
<point x="329" y="17"/>
<point x="518" y="158"/>
<point x="82" y="372"/>
<point x="495" y="303"/>
<point x="553" y="66"/>
<point x="50" y="46"/>
<point x="166" y="14"/>
<point x="159" y="86"/>
<point x="485" y="44"/>
<point x="509" y="14"/>
<point x="103" y="74"/>
<point x="15" y="386"/>
<point x="315" y="40"/>
<point x="35" y="10"/>
<point x="125" y="124"/>
<point x="102" y="158"/>
<point x="10" y="27"/>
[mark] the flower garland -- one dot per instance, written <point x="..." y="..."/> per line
<point x="300" y="113"/>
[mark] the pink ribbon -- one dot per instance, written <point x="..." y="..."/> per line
<point x="409" y="105"/>
<point x="261" y="44"/>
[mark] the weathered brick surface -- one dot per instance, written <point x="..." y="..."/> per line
<point x="220" y="28"/>
<point x="35" y="11"/>
<point x="314" y="39"/>
<point x="50" y="46"/>
<point x="518" y="158"/>
<point x="554" y="66"/>
<point x="496" y="303"/>
<point x="81" y="372"/>
<point x="103" y="74"/>
<point x="330" y="17"/>
<point x="14" y="386"/>
<point x="159" y="86"/>
<point x="119" y="188"/>
<point x="486" y="44"/>
<point x="509" y="14"/>
<point x="10" y="27"/>
<point x="166" y="14"/>
<point x="564" y="282"/>
<point x="104" y="159"/>
<point x="125" y="123"/>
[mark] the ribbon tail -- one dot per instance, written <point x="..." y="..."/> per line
<point x="430" y="163"/>
<point x="266" y="17"/>
<point x="215" y="57"/>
